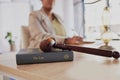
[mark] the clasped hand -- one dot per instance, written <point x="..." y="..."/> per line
<point x="74" y="40"/>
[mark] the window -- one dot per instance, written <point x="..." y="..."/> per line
<point x="93" y="16"/>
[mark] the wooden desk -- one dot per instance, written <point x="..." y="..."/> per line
<point x="84" y="67"/>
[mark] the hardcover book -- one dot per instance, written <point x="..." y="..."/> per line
<point x="32" y="56"/>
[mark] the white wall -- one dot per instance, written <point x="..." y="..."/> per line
<point x="69" y="17"/>
<point x="12" y="16"/>
<point x="79" y="17"/>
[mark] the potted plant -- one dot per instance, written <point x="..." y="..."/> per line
<point x="10" y="41"/>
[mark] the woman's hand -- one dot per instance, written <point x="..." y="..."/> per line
<point x="74" y="40"/>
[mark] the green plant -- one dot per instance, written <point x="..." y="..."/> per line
<point x="9" y="37"/>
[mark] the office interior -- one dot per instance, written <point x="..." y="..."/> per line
<point x="83" y="16"/>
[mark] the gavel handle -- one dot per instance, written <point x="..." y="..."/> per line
<point x="105" y="53"/>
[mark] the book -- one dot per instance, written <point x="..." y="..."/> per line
<point x="33" y="56"/>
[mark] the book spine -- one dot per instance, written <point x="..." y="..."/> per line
<point x="44" y="57"/>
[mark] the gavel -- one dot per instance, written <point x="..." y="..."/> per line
<point x="93" y="51"/>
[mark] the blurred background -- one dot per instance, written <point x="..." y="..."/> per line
<point x="83" y="16"/>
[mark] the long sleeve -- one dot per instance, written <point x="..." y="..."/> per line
<point x="39" y="31"/>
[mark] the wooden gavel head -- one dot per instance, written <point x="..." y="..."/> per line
<point x="46" y="45"/>
<point x="116" y="54"/>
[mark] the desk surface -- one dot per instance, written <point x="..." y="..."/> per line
<point x="84" y="67"/>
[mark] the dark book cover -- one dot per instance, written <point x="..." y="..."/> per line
<point x="32" y="56"/>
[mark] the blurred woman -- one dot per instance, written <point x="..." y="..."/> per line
<point x="44" y="24"/>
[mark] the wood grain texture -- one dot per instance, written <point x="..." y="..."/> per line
<point x="84" y="67"/>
